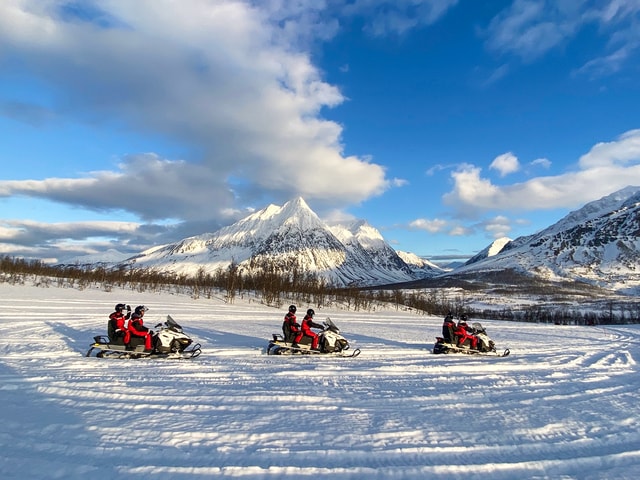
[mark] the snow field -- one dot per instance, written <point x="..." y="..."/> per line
<point x="563" y="405"/>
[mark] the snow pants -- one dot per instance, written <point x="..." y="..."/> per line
<point x="308" y="333"/>
<point x="147" y="340"/>
<point x="462" y="337"/>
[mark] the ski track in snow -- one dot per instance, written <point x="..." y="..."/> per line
<point x="564" y="405"/>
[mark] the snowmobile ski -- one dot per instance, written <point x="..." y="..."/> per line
<point x="280" y="347"/>
<point x="104" y="349"/>
<point x="443" y="347"/>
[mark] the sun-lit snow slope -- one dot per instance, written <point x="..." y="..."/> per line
<point x="563" y="405"/>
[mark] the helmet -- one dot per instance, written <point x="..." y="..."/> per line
<point x="292" y="308"/>
<point x="119" y="307"/>
<point x="141" y="309"/>
<point x="310" y="312"/>
<point x="463" y="318"/>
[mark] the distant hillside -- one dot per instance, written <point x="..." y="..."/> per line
<point x="597" y="244"/>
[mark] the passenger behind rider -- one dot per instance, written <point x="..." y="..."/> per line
<point x="464" y="333"/>
<point x="290" y="325"/>
<point x="116" y="329"/>
<point x="448" y="328"/>
<point x="137" y="329"/>
<point x="307" y="325"/>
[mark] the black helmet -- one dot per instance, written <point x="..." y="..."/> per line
<point x="310" y="312"/>
<point x="292" y="308"/>
<point x="141" y="309"/>
<point x="463" y="318"/>
<point x="120" y="307"/>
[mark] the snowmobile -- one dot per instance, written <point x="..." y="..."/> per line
<point x="168" y="341"/>
<point x="330" y="342"/>
<point x="448" y="343"/>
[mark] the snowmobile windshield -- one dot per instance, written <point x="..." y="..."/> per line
<point x="330" y="325"/>
<point x="171" y="323"/>
<point x="477" y="326"/>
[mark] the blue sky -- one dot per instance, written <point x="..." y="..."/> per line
<point x="444" y="123"/>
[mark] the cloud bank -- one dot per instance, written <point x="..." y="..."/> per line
<point x="227" y="77"/>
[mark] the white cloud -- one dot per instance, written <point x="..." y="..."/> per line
<point x="460" y="231"/>
<point x="505" y="164"/>
<point x="384" y="17"/>
<point x="624" y="150"/>
<point x="432" y="226"/>
<point x="399" y="182"/>
<point x="232" y="79"/>
<point x="605" y="168"/>
<point x="531" y="28"/>
<point x="498" y="226"/>
<point x="541" y="162"/>
<point x="50" y="241"/>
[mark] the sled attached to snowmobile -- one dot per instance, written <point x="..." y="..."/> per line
<point x="485" y="346"/>
<point x="330" y="342"/>
<point x="169" y="341"/>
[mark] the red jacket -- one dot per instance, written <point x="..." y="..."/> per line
<point x="118" y="319"/>
<point x="291" y="320"/>
<point x="308" y="324"/>
<point x="136" y="326"/>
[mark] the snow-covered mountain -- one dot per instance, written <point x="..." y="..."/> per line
<point x="105" y="258"/>
<point x="597" y="244"/>
<point x="343" y="254"/>
<point x="494" y="248"/>
<point x="420" y="266"/>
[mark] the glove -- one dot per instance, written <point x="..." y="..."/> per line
<point x="128" y="308"/>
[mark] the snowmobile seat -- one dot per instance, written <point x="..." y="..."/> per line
<point x="135" y="342"/>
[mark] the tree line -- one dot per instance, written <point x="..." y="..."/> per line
<point x="275" y="282"/>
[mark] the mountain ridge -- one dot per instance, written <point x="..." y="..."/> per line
<point x="344" y="254"/>
<point x="598" y="244"/>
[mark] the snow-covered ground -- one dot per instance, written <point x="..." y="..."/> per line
<point x="564" y="405"/>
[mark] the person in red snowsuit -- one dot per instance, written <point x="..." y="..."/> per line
<point x="305" y="331"/>
<point x="290" y="326"/>
<point x="137" y="329"/>
<point x="116" y="329"/>
<point x="462" y="331"/>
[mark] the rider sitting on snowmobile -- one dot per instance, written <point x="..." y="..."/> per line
<point x="290" y="326"/>
<point x="463" y="332"/>
<point x="137" y="329"/>
<point x="307" y="325"/>
<point x="116" y="329"/>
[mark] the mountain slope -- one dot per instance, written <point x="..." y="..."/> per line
<point x="421" y="267"/>
<point x="598" y="244"/>
<point x="493" y="249"/>
<point x="342" y="254"/>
